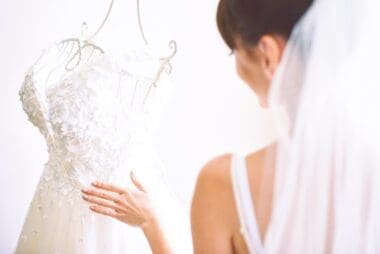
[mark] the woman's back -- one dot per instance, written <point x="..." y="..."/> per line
<point x="230" y="209"/>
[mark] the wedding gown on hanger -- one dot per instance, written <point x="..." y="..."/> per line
<point x="98" y="120"/>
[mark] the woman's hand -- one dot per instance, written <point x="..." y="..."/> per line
<point x="133" y="207"/>
<point x="129" y="206"/>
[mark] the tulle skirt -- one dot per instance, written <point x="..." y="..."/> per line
<point x="60" y="221"/>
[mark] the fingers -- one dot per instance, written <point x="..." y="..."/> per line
<point x="102" y="202"/>
<point x="107" y="195"/>
<point x="105" y="211"/>
<point x="108" y="187"/>
<point x="137" y="183"/>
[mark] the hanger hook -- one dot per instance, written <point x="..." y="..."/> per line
<point x="107" y="16"/>
<point x="84" y="29"/>
<point x="103" y="22"/>
<point x="140" y="23"/>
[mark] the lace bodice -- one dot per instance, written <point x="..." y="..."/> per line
<point x="95" y="116"/>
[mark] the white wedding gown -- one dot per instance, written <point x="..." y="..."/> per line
<point x="97" y="121"/>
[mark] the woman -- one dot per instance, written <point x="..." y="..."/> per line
<point x="257" y="33"/>
<point x="316" y="190"/>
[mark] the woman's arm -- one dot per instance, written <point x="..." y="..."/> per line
<point x="211" y="212"/>
<point x="156" y="238"/>
<point x="129" y="206"/>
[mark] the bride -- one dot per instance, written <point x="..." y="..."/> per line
<point x="316" y="189"/>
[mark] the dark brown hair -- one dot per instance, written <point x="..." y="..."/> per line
<point x="251" y="19"/>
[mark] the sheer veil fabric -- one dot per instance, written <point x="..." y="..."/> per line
<point x="327" y="173"/>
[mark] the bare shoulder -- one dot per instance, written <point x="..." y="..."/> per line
<point x="216" y="172"/>
<point x="213" y="182"/>
<point x="212" y="208"/>
<point x="214" y="179"/>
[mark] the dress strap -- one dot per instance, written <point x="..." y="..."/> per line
<point x="244" y="205"/>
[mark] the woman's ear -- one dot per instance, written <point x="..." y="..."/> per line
<point x="271" y="48"/>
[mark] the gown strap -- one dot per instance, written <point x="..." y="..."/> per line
<point x="244" y="204"/>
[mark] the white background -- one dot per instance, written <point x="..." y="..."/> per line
<point x="211" y="111"/>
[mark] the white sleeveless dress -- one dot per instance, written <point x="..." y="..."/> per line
<point x="98" y="122"/>
<point x="245" y="209"/>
